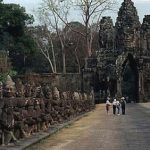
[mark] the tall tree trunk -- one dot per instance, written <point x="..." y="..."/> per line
<point x="77" y="58"/>
<point x="64" y="59"/>
<point x="87" y="15"/>
<point x="53" y="53"/>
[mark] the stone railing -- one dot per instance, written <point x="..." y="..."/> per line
<point x="20" y="117"/>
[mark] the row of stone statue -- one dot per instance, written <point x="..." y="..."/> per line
<point x="22" y="115"/>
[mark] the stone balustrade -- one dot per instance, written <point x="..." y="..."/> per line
<point x="28" y="109"/>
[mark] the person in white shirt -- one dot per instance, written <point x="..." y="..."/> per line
<point x="108" y="104"/>
<point x="118" y="107"/>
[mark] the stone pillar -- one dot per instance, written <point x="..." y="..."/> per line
<point x="141" y="87"/>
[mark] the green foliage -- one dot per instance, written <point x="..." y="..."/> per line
<point x="13" y="19"/>
<point x="13" y="36"/>
<point x="25" y="44"/>
<point x="38" y="64"/>
<point x="3" y="76"/>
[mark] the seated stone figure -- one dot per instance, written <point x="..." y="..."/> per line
<point x="47" y="92"/>
<point x="56" y="95"/>
<point x="85" y="98"/>
<point x="29" y="89"/>
<point x="43" y="114"/>
<point x="7" y="117"/>
<point x="48" y="107"/>
<point x="80" y="103"/>
<point x="31" y="115"/>
<point x="76" y="100"/>
<point x="39" y="108"/>
<point x="56" y="105"/>
<point x="20" y="115"/>
<point x="37" y="116"/>
<point x="76" y="96"/>
<point x="38" y="92"/>
<point x="86" y="102"/>
<point x="20" y="89"/>
<point x="68" y="107"/>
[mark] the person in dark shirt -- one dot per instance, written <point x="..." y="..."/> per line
<point x="123" y="105"/>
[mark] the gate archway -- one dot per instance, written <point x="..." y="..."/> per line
<point x="128" y="77"/>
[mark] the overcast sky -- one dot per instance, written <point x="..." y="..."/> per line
<point x="143" y="7"/>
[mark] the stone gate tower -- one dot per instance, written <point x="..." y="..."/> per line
<point x="127" y="28"/>
<point x="145" y="35"/>
<point x="122" y="65"/>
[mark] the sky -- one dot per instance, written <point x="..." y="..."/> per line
<point x="143" y="7"/>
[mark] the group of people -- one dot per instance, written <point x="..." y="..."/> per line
<point x="116" y="105"/>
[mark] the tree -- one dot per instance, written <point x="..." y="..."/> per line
<point x="14" y="19"/>
<point x="91" y="11"/>
<point x="53" y="22"/>
<point x="24" y="48"/>
<point x="75" y="46"/>
<point x="44" y="40"/>
<point x="13" y="22"/>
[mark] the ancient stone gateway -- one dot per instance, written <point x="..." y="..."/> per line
<point x="121" y="67"/>
<point x="128" y="77"/>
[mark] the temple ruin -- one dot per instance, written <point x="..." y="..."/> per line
<point x="123" y="60"/>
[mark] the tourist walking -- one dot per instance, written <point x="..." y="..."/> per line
<point x="108" y="104"/>
<point x="123" y="105"/>
<point x="118" y="107"/>
<point x="114" y="106"/>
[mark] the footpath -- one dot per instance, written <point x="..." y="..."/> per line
<point x="99" y="131"/>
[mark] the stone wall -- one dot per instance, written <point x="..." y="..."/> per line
<point x="64" y="82"/>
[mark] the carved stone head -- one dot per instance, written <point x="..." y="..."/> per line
<point x="56" y="95"/>
<point x="38" y="92"/>
<point x="9" y="87"/>
<point x="64" y="96"/>
<point x="19" y="88"/>
<point x="28" y="90"/>
<point x="47" y="92"/>
<point x="76" y="96"/>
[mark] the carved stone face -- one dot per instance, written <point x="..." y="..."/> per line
<point x="56" y="95"/>
<point x="19" y="88"/>
<point x="129" y="38"/>
<point x="28" y="90"/>
<point x="48" y="95"/>
<point x="9" y="87"/>
<point x="9" y="91"/>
